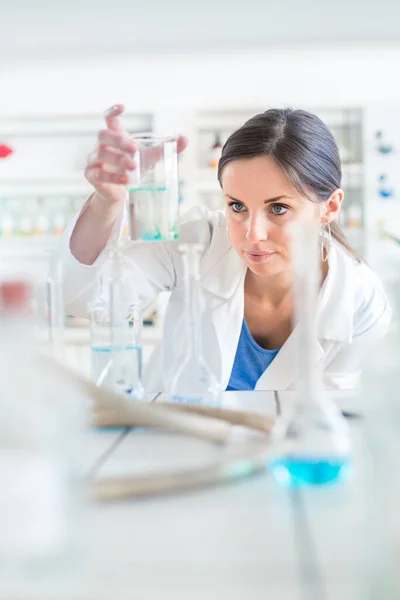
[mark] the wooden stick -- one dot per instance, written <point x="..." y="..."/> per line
<point x="250" y="419"/>
<point x="250" y="460"/>
<point x="143" y="414"/>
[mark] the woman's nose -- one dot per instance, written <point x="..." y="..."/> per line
<point x="257" y="230"/>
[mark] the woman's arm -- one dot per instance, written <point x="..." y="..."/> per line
<point x="149" y="267"/>
<point x="93" y="229"/>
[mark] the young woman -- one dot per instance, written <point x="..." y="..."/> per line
<point x="282" y="166"/>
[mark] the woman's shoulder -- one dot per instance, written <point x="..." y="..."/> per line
<point x="370" y="301"/>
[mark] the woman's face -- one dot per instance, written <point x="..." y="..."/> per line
<point x="260" y="202"/>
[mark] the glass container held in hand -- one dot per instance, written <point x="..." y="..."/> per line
<point x="153" y="192"/>
<point x="311" y="442"/>
<point x="116" y="333"/>
<point x="194" y="380"/>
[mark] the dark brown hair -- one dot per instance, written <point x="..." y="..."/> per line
<point x="302" y="146"/>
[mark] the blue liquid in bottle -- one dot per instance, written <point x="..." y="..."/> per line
<point x="293" y="471"/>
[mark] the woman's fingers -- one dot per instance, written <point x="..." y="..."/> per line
<point x="97" y="174"/>
<point x="121" y="141"/>
<point x="112" y="115"/>
<point x="182" y="142"/>
<point x="117" y="140"/>
<point x="122" y="161"/>
<point x="113" y="155"/>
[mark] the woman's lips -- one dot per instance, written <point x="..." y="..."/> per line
<point x="259" y="256"/>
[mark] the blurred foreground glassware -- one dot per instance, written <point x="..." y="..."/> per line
<point x="194" y="380"/>
<point x="153" y="192"/>
<point x="379" y="398"/>
<point x="55" y="308"/>
<point x="41" y="439"/>
<point x="311" y="442"/>
<point x="116" y="331"/>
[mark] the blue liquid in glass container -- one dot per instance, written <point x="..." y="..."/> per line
<point x="293" y="471"/>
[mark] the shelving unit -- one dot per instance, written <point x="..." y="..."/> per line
<point x="45" y="172"/>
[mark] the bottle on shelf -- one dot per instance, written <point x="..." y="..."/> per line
<point x="7" y="222"/>
<point x="25" y="222"/>
<point x="42" y="223"/>
<point x="385" y="189"/>
<point x="383" y="146"/>
<point x="354" y="215"/>
<point x="215" y="151"/>
<point x="72" y="210"/>
<point x="59" y="222"/>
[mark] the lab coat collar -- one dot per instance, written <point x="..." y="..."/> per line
<point x="335" y="312"/>
<point x="336" y="309"/>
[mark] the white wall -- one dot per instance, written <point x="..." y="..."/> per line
<point x="42" y="28"/>
<point x="315" y="76"/>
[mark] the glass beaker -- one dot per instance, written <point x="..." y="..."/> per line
<point x="153" y="192"/>
<point x="194" y="381"/>
<point x="311" y="442"/>
<point x="116" y="349"/>
<point x="116" y="332"/>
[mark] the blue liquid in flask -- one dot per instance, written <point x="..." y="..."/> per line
<point x="293" y="471"/>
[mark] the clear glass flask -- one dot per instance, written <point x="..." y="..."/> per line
<point x="194" y="381"/>
<point x="311" y="442"/>
<point x="153" y="192"/>
<point x="116" y="332"/>
<point x="379" y="399"/>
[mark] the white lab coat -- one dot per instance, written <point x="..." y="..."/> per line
<point x="353" y="312"/>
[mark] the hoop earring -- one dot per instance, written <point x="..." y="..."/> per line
<point x="326" y="234"/>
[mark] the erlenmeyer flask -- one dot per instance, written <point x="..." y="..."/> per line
<point x="116" y="332"/>
<point x="311" y="442"/>
<point x="194" y="380"/>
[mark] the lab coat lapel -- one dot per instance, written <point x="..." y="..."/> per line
<point x="284" y="371"/>
<point x="223" y="287"/>
<point x="227" y="317"/>
<point x="334" y="322"/>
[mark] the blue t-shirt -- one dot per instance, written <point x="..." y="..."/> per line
<point x="250" y="362"/>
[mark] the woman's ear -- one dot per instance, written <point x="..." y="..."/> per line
<point x="332" y="206"/>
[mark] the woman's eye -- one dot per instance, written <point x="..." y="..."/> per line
<point x="279" y="209"/>
<point x="237" y="207"/>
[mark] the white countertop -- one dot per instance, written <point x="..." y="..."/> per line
<point x="234" y="541"/>
<point x="246" y="540"/>
<point x="249" y="539"/>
